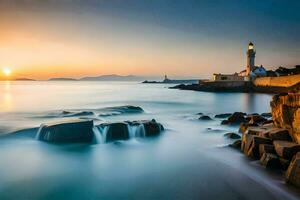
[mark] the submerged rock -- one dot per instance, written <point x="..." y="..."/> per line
<point x="72" y="131"/>
<point x="76" y="114"/>
<point x="115" y="131"/>
<point x="232" y="135"/>
<point x="118" y="110"/>
<point x="205" y="117"/>
<point x="125" y="130"/>
<point x="235" y="119"/>
<point x="151" y="127"/>
<point x="236" y="144"/>
<point x="225" y="115"/>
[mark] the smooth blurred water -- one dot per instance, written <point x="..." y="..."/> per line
<point x="187" y="161"/>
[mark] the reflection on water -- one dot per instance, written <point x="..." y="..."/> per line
<point x="6" y="102"/>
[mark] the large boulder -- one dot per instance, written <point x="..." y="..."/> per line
<point x="235" y="119"/>
<point x="279" y="134"/>
<point x="293" y="172"/>
<point x="253" y="148"/>
<point x="286" y="113"/>
<point x="270" y="161"/>
<point x="115" y="131"/>
<point x="71" y="131"/>
<point x="152" y="128"/>
<point x="266" y="148"/>
<point x="286" y="149"/>
<point x="257" y="119"/>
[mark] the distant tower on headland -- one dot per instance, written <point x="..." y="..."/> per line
<point x="250" y="58"/>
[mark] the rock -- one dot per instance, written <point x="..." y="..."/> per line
<point x="293" y="172"/>
<point x="152" y="128"/>
<point x="267" y="115"/>
<point x="124" y="130"/>
<point x="257" y="119"/>
<point x="270" y="161"/>
<point x="268" y="122"/>
<point x="286" y="149"/>
<point x="246" y="142"/>
<point x="232" y="135"/>
<point x="64" y="112"/>
<point x="71" y="131"/>
<point x="243" y="127"/>
<point x="236" y="144"/>
<point x="116" y="131"/>
<point x="225" y="115"/>
<point x="280" y="134"/>
<point x="266" y="148"/>
<point x="262" y="131"/>
<point x="253" y="148"/>
<point x="256" y="130"/>
<point x="200" y="113"/>
<point x="284" y="163"/>
<point x="286" y="112"/>
<point x="76" y="114"/>
<point x="237" y="118"/>
<point x="118" y="110"/>
<point x="205" y="117"/>
<point x="225" y="122"/>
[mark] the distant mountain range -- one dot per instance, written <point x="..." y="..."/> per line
<point x="62" y="79"/>
<point x="111" y="77"/>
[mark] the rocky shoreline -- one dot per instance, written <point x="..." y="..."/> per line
<point x="242" y="86"/>
<point x="273" y="138"/>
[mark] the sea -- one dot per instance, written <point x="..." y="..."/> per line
<point x="190" y="159"/>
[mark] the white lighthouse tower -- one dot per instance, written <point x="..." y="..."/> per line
<point x="250" y="59"/>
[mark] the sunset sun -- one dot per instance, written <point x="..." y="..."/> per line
<point x="6" y="71"/>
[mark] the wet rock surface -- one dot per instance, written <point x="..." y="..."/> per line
<point x="205" y="118"/>
<point x="236" y="144"/>
<point x="73" y="131"/>
<point x="118" y="110"/>
<point x="116" y="131"/>
<point x="125" y="130"/>
<point x="225" y="115"/>
<point x="235" y="119"/>
<point x="232" y="135"/>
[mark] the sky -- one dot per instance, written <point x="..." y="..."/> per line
<point x="193" y="38"/>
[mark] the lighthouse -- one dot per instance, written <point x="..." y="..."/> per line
<point x="250" y="59"/>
